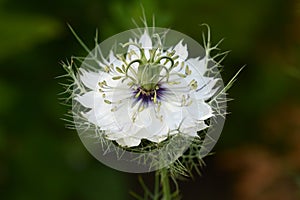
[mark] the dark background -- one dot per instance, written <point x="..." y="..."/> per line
<point x="258" y="154"/>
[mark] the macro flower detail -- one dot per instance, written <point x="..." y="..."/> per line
<point x="148" y="92"/>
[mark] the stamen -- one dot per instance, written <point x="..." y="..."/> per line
<point x="141" y="108"/>
<point x="116" y="77"/>
<point x="118" y="69"/>
<point x="187" y="70"/>
<point x="181" y="75"/>
<point x="114" y="109"/>
<point x="158" y="107"/>
<point x="193" y="84"/>
<point x="183" y="100"/>
<point x="138" y="94"/>
<point x="107" y="69"/>
<point x="154" y="97"/>
<point x="181" y="66"/>
<point x="107" y="101"/>
<point x="134" y="117"/>
<point x="102" y="83"/>
<point x="174" y="82"/>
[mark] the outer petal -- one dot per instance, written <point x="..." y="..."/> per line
<point x="172" y="115"/>
<point x="122" y="119"/>
<point x="100" y="114"/>
<point x="146" y="43"/>
<point x="206" y="85"/>
<point x="89" y="79"/>
<point x="181" y="50"/>
<point x="116" y="135"/>
<point x="207" y="89"/>
<point x="161" y="135"/>
<point x="129" y="141"/>
<point x="144" y="118"/>
<point x="198" y="64"/>
<point x="199" y="110"/>
<point x="158" y="127"/>
<point x="113" y="60"/>
<point x="88" y="99"/>
<point x="191" y="127"/>
<point x="118" y="93"/>
<point x="157" y="139"/>
<point x="133" y="48"/>
<point x="91" y="117"/>
<point x="145" y="40"/>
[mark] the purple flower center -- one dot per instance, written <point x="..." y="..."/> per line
<point x="148" y="96"/>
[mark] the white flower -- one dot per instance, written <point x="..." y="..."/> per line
<point x="148" y="92"/>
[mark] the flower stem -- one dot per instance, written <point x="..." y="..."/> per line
<point x="156" y="186"/>
<point x="165" y="184"/>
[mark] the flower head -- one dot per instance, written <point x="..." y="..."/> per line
<point x="149" y="91"/>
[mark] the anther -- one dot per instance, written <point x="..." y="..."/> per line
<point x="193" y="84"/>
<point x="187" y="70"/>
<point x="107" y="101"/>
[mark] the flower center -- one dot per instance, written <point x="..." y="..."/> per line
<point x="146" y="96"/>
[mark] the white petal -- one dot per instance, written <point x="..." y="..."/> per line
<point x="89" y="79"/>
<point x="157" y="128"/>
<point x="199" y="110"/>
<point x="99" y="119"/>
<point x="129" y="141"/>
<point x="119" y="94"/>
<point x="197" y="75"/>
<point x="181" y="50"/>
<point x="192" y="128"/>
<point x="201" y="126"/>
<point x="188" y="125"/>
<point x="207" y="89"/>
<point x="88" y="99"/>
<point x="205" y="111"/>
<point x="91" y="117"/>
<point x="123" y="115"/>
<point x="144" y="118"/>
<point x="160" y="135"/>
<point x="206" y="85"/>
<point x="157" y="139"/>
<point x="141" y="133"/>
<point x="145" y="41"/>
<point x="119" y="131"/>
<point x="172" y="115"/>
<point x="197" y="64"/>
<point x="133" y="48"/>
<point x="106" y="121"/>
<point x="113" y="60"/>
<point x="122" y="120"/>
<point x="152" y="128"/>
<point x="175" y="91"/>
<point x="100" y="115"/>
<point x="116" y="135"/>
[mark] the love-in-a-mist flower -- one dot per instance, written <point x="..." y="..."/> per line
<point x="148" y="92"/>
<point x="149" y="99"/>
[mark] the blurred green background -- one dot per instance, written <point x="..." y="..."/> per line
<point x="258" y="155"/>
